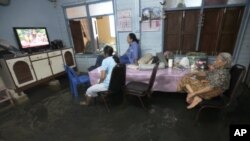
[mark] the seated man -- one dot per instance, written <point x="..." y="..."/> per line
<point x="98" y="63"/>
<point x="213" y="83"/>
<point x="106" y="69"/>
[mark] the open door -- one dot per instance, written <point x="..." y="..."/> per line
<point x="77" y="36"/>
<point x="95" y="33"/>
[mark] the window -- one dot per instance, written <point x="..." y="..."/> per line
<point x="90" y="33"/>
<point x="101" y="8"/>
<point x="76" y="12"/>
<point x="112" y="25"/>
<point x="182" y="3"/>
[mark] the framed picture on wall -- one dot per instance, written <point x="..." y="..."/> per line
<point x="151" y="19"/>
<point x="124" y="20"/>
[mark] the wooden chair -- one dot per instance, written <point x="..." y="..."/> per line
<point x="229" y="96"/>
<point x="140" y="89"/>
<point x="117" y="83"/>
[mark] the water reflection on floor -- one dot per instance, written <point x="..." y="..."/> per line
<point x="52" y="115"/>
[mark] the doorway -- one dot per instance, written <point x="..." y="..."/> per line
<point x="91" y="26"/>
<point x="103" y="29"/>
<point x="80" y="35"/>
<point x="104" y="32"/>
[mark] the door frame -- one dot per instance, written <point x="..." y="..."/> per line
<point x="88" y="17"/>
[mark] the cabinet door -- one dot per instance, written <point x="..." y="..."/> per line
<point x="230" y="26"/>
<point x="57" y="64"/>
<point x="42" y="69"/>
<point x="189" y="30"/>
<point x="21" y="71"/>
<point x="210" y="30"/>
<point x="172" y="30"/>
<point x="68" y="57"/>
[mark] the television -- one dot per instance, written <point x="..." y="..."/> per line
<point x="31" y="39"/>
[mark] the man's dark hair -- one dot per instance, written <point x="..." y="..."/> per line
<point x="108" y="51"/>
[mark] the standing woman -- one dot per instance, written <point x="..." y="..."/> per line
<point x="133" y="52"/>
<point x="106" y="70"/>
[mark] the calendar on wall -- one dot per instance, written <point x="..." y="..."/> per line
<point x="124" y="20"/>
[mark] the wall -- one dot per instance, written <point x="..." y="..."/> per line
<point x="43" y="13"/>
<point x="32" y="13"/>
<point x="149" y="41"/>
<point x="244" y="53"/>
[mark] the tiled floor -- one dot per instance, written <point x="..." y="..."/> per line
<point x="52" y="115"/>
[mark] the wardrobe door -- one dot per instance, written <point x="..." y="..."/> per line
<point x="172" y="30"/>
<point x="229" y="30"/>
<point x="189" y="30"/>
<point x="210" y="30"/>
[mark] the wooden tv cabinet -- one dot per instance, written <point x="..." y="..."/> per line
<point x="25" y="71"/>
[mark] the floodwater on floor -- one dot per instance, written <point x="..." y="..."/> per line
<point x="52" y="115"/>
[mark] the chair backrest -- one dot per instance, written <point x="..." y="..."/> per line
<point x="66" y="67"/>
<point x="117" y="83"/>
<point x="247" y="77"/>
<point x="71" y="72"/>
<point x="153" y="75"/>
<point x="237" y="75"/>
<point x="118" y="78"/>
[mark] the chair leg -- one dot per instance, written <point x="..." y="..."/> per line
<point x="72" y="89"/>
<point x="198" y="115"/>
<point x="142" y="103"/>
<point x="75" y="92"/>
<point x="105" y="103"/>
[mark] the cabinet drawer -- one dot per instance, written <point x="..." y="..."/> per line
<point x="54" y="53"/>
<point x="38" y="57"/>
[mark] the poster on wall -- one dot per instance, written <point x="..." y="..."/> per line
<point x="151" y="19"/>
<point x="124" y="20"/>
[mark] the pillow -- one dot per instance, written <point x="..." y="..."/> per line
<point x="150" y="61"/>
<point x="145" y="59"/>
<point x="132" y="66"/>
<point x="151" y="66"/>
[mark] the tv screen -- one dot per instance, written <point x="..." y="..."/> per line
<point x="30" y="38"/>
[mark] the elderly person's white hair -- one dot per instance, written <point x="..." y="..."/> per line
<point x="226" y="57"/>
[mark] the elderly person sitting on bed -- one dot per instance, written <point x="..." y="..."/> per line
<point x="214" y="82"/>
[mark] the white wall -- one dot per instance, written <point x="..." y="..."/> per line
<point x="149" y="41"/>
<point x="132" y="5"/>
<point x="244" y="53"/>
<point x="152" y="41"/>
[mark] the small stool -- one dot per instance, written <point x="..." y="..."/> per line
<point x="5" y="96"/>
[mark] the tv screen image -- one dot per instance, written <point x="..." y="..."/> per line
<point x="30" y="38"/>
